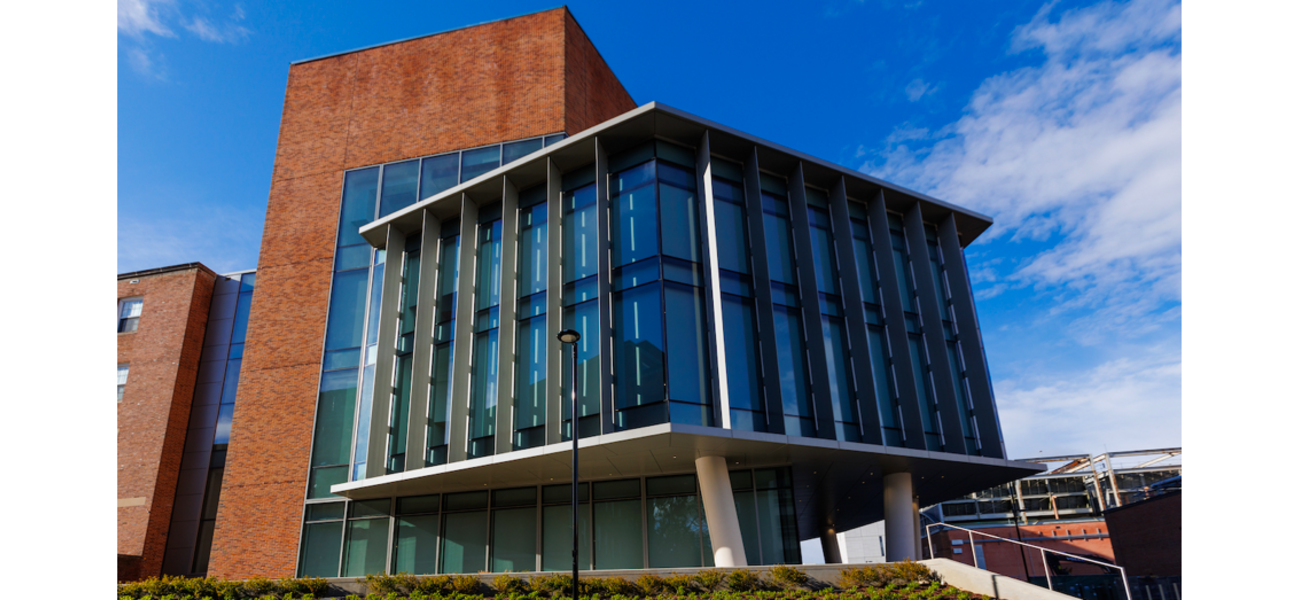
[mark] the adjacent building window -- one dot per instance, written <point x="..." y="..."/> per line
<point x="839" y="365"/>
<point x="128" y="314"/>
<point x="122" y="371"/>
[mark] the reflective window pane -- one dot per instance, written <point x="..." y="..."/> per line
<point x="638" y="347"/>
<point x="517" y="150"/>
<point x="581" y="243"/>
<point x="514" y="539"/>
<point x="674" y="525"/>
<point x="464" y="545"/>
<point x="633" y="215"/>
<point x="321" y="543"/>
<point x="618" y="535"/>
<point x="415" y="550"/>
<point x="366" y="547"/>
<point x="439" y="174"/>
<point x="477" y="162"/>
<point x="399" y="186"/>
<point x="688" y="369"/>
<point x="360" y="191"/>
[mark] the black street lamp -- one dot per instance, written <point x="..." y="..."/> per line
<point x="571" y="337"/>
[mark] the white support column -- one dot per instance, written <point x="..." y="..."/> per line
<point x="720" y="512"/>
<point x="900" y="525"/>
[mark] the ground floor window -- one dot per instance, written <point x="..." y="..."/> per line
<point x="654" y="522"/>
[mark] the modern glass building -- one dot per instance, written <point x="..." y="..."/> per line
<point x="774" y="348"/>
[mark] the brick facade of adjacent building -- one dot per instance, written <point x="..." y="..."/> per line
<point x="163" y="354"/>
<point x="1149" y="536"/>
<point x="522" y="77"/>
<point x="1090" y="539"/>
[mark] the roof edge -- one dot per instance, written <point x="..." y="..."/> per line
<point x="563" y="7"/>
<point x="165" y="270"/>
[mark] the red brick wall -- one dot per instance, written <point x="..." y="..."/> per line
<point x="593" y="94"/>
<point x="1005" y="557"/>
<point x="152" y="417"/>
<point x="1148" y="536"/>
<point x="490" y="83"/>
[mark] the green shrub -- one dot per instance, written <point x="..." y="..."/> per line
<point x="651" y="584"/>
<point x="555" y="584"/>
<point x="382" y="584"/>
<point x="257" y="587"/>
<point x="681" y="584"/>
<point x="744" y="580"/>
<point x="438" y="584"/>
<point x="789" y="577"/>
<point x="466" y="584"/>
<point x="506" y="583"/>
<point x="608" y="587"/>
<point x="709" y="580"/>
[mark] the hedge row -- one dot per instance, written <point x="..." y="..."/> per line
<point x="906" y="580"/>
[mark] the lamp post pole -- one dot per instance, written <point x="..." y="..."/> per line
<point x="571" y="337"/>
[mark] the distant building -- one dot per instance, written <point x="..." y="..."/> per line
<point x="179" y="342"/>
<point x="1079" y="507"/>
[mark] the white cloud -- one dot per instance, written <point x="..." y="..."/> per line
<point x="1119" y="405"/>
<point x="1084" y="147"/>
<point x="218" y="236"/>
<point x="138" y="17"/>
<point x="918" y="89"/>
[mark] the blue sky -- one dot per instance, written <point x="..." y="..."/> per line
<point x="1061" y="120"/>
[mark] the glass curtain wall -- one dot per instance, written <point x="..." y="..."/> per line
<point x="581" y="246"/>
<point x="765" y="506"/>
<point x="444" y="337"/>
<point x="738" y="319"/>
<point x="791" y="354"/>
<point x="677" y="535"/>
<point x="514" y="530"/>
<point x="415" y="547"/>
<point x="616" y="516"/>
<point x="344" y="335"/>
<point x="365" y="549"/>
<point x="657" y="274"/>
<point x="361" y="439"/>
<point x="886" y="396"/>
<point x="484" y="365"/>
<point x="930" y="422"/>
<point x="465" y="533"/>
<point x="844" y="400"/>
<point x="531" y="342"/>
<point x="557" y="527"/>
<point x="322" y="540"/>
<point x="400" y="404"/>
<point x="656" y="522"/>
<point x="969" y="428"/>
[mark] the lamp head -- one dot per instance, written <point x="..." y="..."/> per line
<point x="569" y="336"/>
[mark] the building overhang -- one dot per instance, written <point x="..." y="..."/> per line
<point x="837" y="485"/>
<point x="664" y="122"/>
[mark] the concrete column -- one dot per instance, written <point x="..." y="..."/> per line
<point x="900" y="524"/>
<point x="720" y="512"/>
<point x="831" y="547"/>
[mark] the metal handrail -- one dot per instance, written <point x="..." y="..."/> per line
<point x="1046" y="570"/>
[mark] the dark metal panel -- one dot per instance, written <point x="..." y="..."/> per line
<point x="417" y="444"/>
<point x="850" y="287"/>
<point x="763" y="296"/>
<point x="554" y="313"/>
<point x="814" y="336"/>
<point x="892" y="301"/>
<point x="386" y="351"/>
<point x="604" y="297"/>
<point x="971" y="342"/>
<point x="458" y="417"/>
<point x="506" y="323"/>
<point x="712" y="293"/>
<point x="945" y="395"/>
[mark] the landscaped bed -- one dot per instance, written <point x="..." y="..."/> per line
<point x="895" y="581"/>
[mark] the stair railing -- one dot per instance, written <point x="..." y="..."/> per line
<point x="1046" y="570"/>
